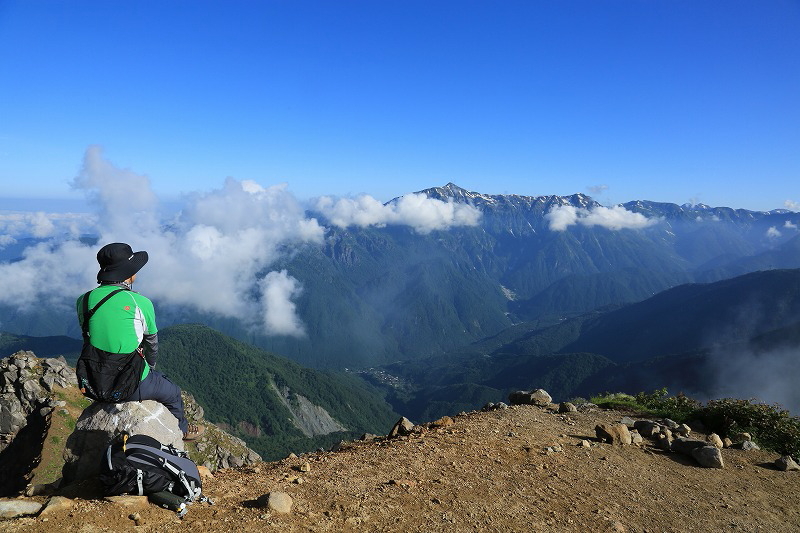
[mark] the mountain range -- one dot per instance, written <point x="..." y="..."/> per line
<point x="736" y="336"/>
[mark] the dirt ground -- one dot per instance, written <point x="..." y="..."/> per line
<point x="489" y="471"/>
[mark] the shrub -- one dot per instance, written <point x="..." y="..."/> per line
<point x="616" y="400"/>
<point x="680" y="408"/>
<point x="771" y="426"/>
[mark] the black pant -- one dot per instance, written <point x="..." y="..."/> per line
<point x="156" y="386"/>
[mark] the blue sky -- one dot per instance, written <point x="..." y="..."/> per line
<point x="673" y="101"/>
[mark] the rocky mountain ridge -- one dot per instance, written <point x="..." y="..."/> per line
<point x="41" y="411"/>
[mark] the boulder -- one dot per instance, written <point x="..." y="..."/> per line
<point x="442" y="422"/>
<point x="715" y="441"/>
<point x="567" y="407"/>
<point x="683" y="430"/>
<point x="404" y="426"/>
<point x="786" y="464"/>
<point x="647" y="428"/>
<point x="101" y="422"/>
<point x="278" y="502"/>
<point x="747" y="446"/>
<point x="664" y="442"/>
<point x="538" y="397"/>
<point x="686" y="445"/>
<point x="16" y="508"/>
<point x="617" y="434"/>
<point x="671" y="424"/>
<point x="708" y="456"/>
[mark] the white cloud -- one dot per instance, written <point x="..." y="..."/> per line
<point x="416" y="210"/>
<point x="773" y="233"/>
<point x="6" y="240"/>
<point x="789" y="225"/>
<point x="209" y="257"/>
<point x="42" y="225"/>
<point x="597" y="189"/>
<point x="613" y="218"/>
<point x="794" y="206"/>
<point x="278" y="310"/>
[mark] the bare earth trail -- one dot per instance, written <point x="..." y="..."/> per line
<point x="489" y="471"/>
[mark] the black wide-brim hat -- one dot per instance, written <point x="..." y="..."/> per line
<point x="118" y="262"/>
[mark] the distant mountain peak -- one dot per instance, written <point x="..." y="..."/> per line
<point x="452" y="192"/>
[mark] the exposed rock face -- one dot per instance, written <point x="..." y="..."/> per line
<point x="26" y="402"/>
<point x="25" y="384"/>
<point x="28" y="387"/>
<point x="309" y="418"/>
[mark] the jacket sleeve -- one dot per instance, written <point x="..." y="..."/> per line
<point x="150" y="344"/>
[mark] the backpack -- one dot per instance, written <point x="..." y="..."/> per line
<point x="141" y="465"/>
<point x="105" y="376"/>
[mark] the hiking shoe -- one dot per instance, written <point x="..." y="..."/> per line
<point x="193" y="431"/>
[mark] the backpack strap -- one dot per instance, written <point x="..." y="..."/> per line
<point x="87" y="313"/>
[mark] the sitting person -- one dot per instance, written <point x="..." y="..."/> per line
<point x="120" y="338"/>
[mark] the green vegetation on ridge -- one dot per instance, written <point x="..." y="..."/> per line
<point x="238" y="383"/>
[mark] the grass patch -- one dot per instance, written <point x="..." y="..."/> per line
<point x="69" y="422"/>
<point x="617" y="400"/>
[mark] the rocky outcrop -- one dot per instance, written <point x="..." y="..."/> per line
<point x="27" y="399"/>
<point x="32" y="389"/>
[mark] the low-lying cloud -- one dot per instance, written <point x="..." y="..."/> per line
<point x="213" y="256"/>
<point x="416" y="210"/>
<point x="41" y="225"/>
<point x="768" y="377"/>
<point x="613" y="218"/>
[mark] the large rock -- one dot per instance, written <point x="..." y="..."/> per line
<point x="404" y="426"/>
<point x="786" y="464"/>
<point x="708" y="456"/>
<point x="685" y="445"/>
<point x="715" y="441"/>
<point x="647" y="428"/>
<point x="101" y="422"/>
<point x="17" y="508"/>
<point x="538" y="397"/>
<point x="616" y="434"/>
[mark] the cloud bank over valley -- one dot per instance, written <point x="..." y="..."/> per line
<point x="213" y="256"/>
